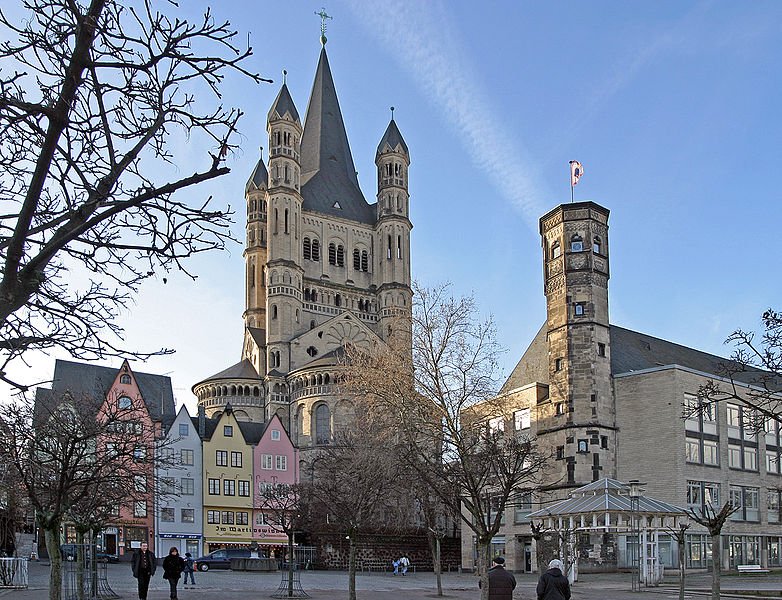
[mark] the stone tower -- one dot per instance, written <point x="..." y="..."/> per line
<point x="579" y="423"/>
<point x="324" y="268"/>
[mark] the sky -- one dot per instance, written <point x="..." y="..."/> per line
<point x="672" y="107"/>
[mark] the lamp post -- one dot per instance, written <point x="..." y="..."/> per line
<point x="635" y="494"/>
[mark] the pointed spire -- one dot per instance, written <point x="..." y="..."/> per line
<point x="283" y="104"/>
<point x="328" y="171"/>
<point x="392" y="139"/>
<point x="259" y="179"/>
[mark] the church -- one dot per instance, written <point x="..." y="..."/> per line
<point x="324" y="268"/>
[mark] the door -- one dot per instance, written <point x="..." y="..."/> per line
<point x="110" y="543"/>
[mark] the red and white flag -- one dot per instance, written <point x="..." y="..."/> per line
<point x="576" y="171"/>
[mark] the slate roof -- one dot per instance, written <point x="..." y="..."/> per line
<point x="328" y="173"/>
<point x="93" y="381"/>
<point x="391" y="139"/>
<point x="282" y="104"/>
<point x="244" y="369"/>
<point x="630" y="351"/>
<point x="259" y="178"/>
<point x="258" y="335"/>
<point x="252" y="432"/>
<point x="602" y="496"/>
<point x="330" y="359"/>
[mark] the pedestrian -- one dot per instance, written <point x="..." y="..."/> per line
<point x="173" y="565"/>
<point x="553" y="585"/>
<point x="396" y="566"/>
<point x="501" y="582"/>
<point x="404" y="563"/>
<point x="189" y="568"/>
<point x="143" y="564"/>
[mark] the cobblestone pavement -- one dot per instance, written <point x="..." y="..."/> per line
<point x="332" y="585"/>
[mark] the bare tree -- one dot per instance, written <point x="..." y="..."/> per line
<point x="440" y="402"/>
<point x="680" y="535"/>
<point x="714" y="520"/>
<point x="91" y="97"/>
<point x="756" y="360"/>
<point x="281" y="503"/>
<point x="76" y="460"/>
<point x="355" y="484"/>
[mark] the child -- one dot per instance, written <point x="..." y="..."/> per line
<point x="189" y="568"/>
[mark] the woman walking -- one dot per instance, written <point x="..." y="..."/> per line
<point x="173" y="565"/>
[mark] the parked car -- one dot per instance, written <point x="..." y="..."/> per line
<point x="220" y="559"/>
<point x="104" y="557"/>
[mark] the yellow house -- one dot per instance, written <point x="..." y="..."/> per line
<point x="228" y="473"/>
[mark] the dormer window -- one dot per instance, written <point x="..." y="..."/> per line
<point x="576" y="243"/>
<point x="124" y="378"/>
<point x="596" y="245"/>
<point x="556" y="250"/>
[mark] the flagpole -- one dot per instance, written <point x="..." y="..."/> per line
<point x="570" y="174"/>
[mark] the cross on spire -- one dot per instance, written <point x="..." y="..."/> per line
<point x="323" y="16"/>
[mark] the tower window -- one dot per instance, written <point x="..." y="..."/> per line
<point x="312" y="324"/>
<point x="364" y="261"/>
<point x="399" y="246"/>
<point x="322" y="424"/>
<point x="287" y="174"/>
<point x="251" y="276"/>
<point x="601" y="349"/>
<point x="316" y="250"/>
<point x="338" y="300"/>
<point x="356" y="259"/>
<point x="312" y="351"/>
<point x="340" y="256"/>
<point x="578" y="309"/>
<point x="332" y="254"/>
<point x="276" y="220"/>
<point x="596" y="246"/>
<point x="583" y="446"/>
<point x="286" y="220"/>
<point x="576" y="244"/>
<point x="560" y="452"/>
<point x="274" y="311"/>
<point x="558" y="364"/>
<point x="307" y="251"/>
<point x="388" y="254"/>
<point x="556" y="250"/>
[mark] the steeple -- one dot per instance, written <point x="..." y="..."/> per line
<point x="259" y="179"/>
<point x="329" y="181"/>
<point x="283" y="104"/>
<point x="392" y="139"/>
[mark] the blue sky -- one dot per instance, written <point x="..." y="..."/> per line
<point x="671" y="106"/>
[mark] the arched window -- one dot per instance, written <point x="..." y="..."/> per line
<point x="124" y="378"/>
<point x="316" y="250"/>
<point x="596" y="247"/>
<point x="274" y="311"/>
<point x="356" y="259"/>
<point x="251" y="275"/>
<point x="332" y="254"/>
<point x="322" y="424"/>
<point x="340" y="256"/>
<point x="556" y="250"/>
<point x="297" y="315"/>
<point x="307" y="251"/>
<point x="286" y="220"/>
<point x="338" y="300"/>
<point x="276" y="220"/>
<point x="312" y="324"/>
<point x="576" y="243"/>
<point x="388" y="249"/>
<point x="287" y="174"/>
<point x="399" y="246"/>
<point x="364" y="261"/>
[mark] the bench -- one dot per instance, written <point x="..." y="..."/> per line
<point x="751" y="570"/>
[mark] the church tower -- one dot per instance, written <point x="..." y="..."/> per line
<point x="580" y="421"/>
<point x="393" y="227"/>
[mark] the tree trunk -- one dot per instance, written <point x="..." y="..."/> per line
<point x="716" y="560"/>
<point x="352" y="569"/>
<point x="484" y="559"/>
<point x="680" y="544"/>
<point x="434" y="547"/>
<point x="291" y="564"/>
<point x="52" y="537"/>
<point x="80" y="564"/>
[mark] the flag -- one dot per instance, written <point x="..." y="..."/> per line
<point x="576" y="171"/>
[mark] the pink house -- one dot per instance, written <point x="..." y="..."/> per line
<point x="275" y="461"/>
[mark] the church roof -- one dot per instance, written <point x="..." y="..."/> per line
<point x="283" y="103"/>
<point x="391" y="139"/>
<point x="330" y="359"/>
<point x="241" y="370"/>
<point x="329" y="181"/>
<point x="259" y="336"/>
<point x="259" y="178"/>
<point x="93" y="381"/>
<point x="630" y="351"/>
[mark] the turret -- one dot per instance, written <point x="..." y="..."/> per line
<point x="283" y="266"/>
<point x="255" y="193"/>
<point x="393" y="228"/>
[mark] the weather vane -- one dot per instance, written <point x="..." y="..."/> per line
<point x="323" y="16"/>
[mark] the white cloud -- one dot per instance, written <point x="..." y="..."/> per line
<point x="418" y="36"/>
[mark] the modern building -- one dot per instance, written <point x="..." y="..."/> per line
<point x="324" y="268"/>
<point x="606" y="401"/>
<point x="179" y="498"/>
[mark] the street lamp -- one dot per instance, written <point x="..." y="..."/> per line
<point x="635" y="495"/>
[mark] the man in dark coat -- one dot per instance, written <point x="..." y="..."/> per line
<point x="501" y="582"/>
<point x="553" y="585"/>
<point x="143" y="565"/>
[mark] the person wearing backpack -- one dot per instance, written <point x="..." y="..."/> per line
<point x="189" y="569"/>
